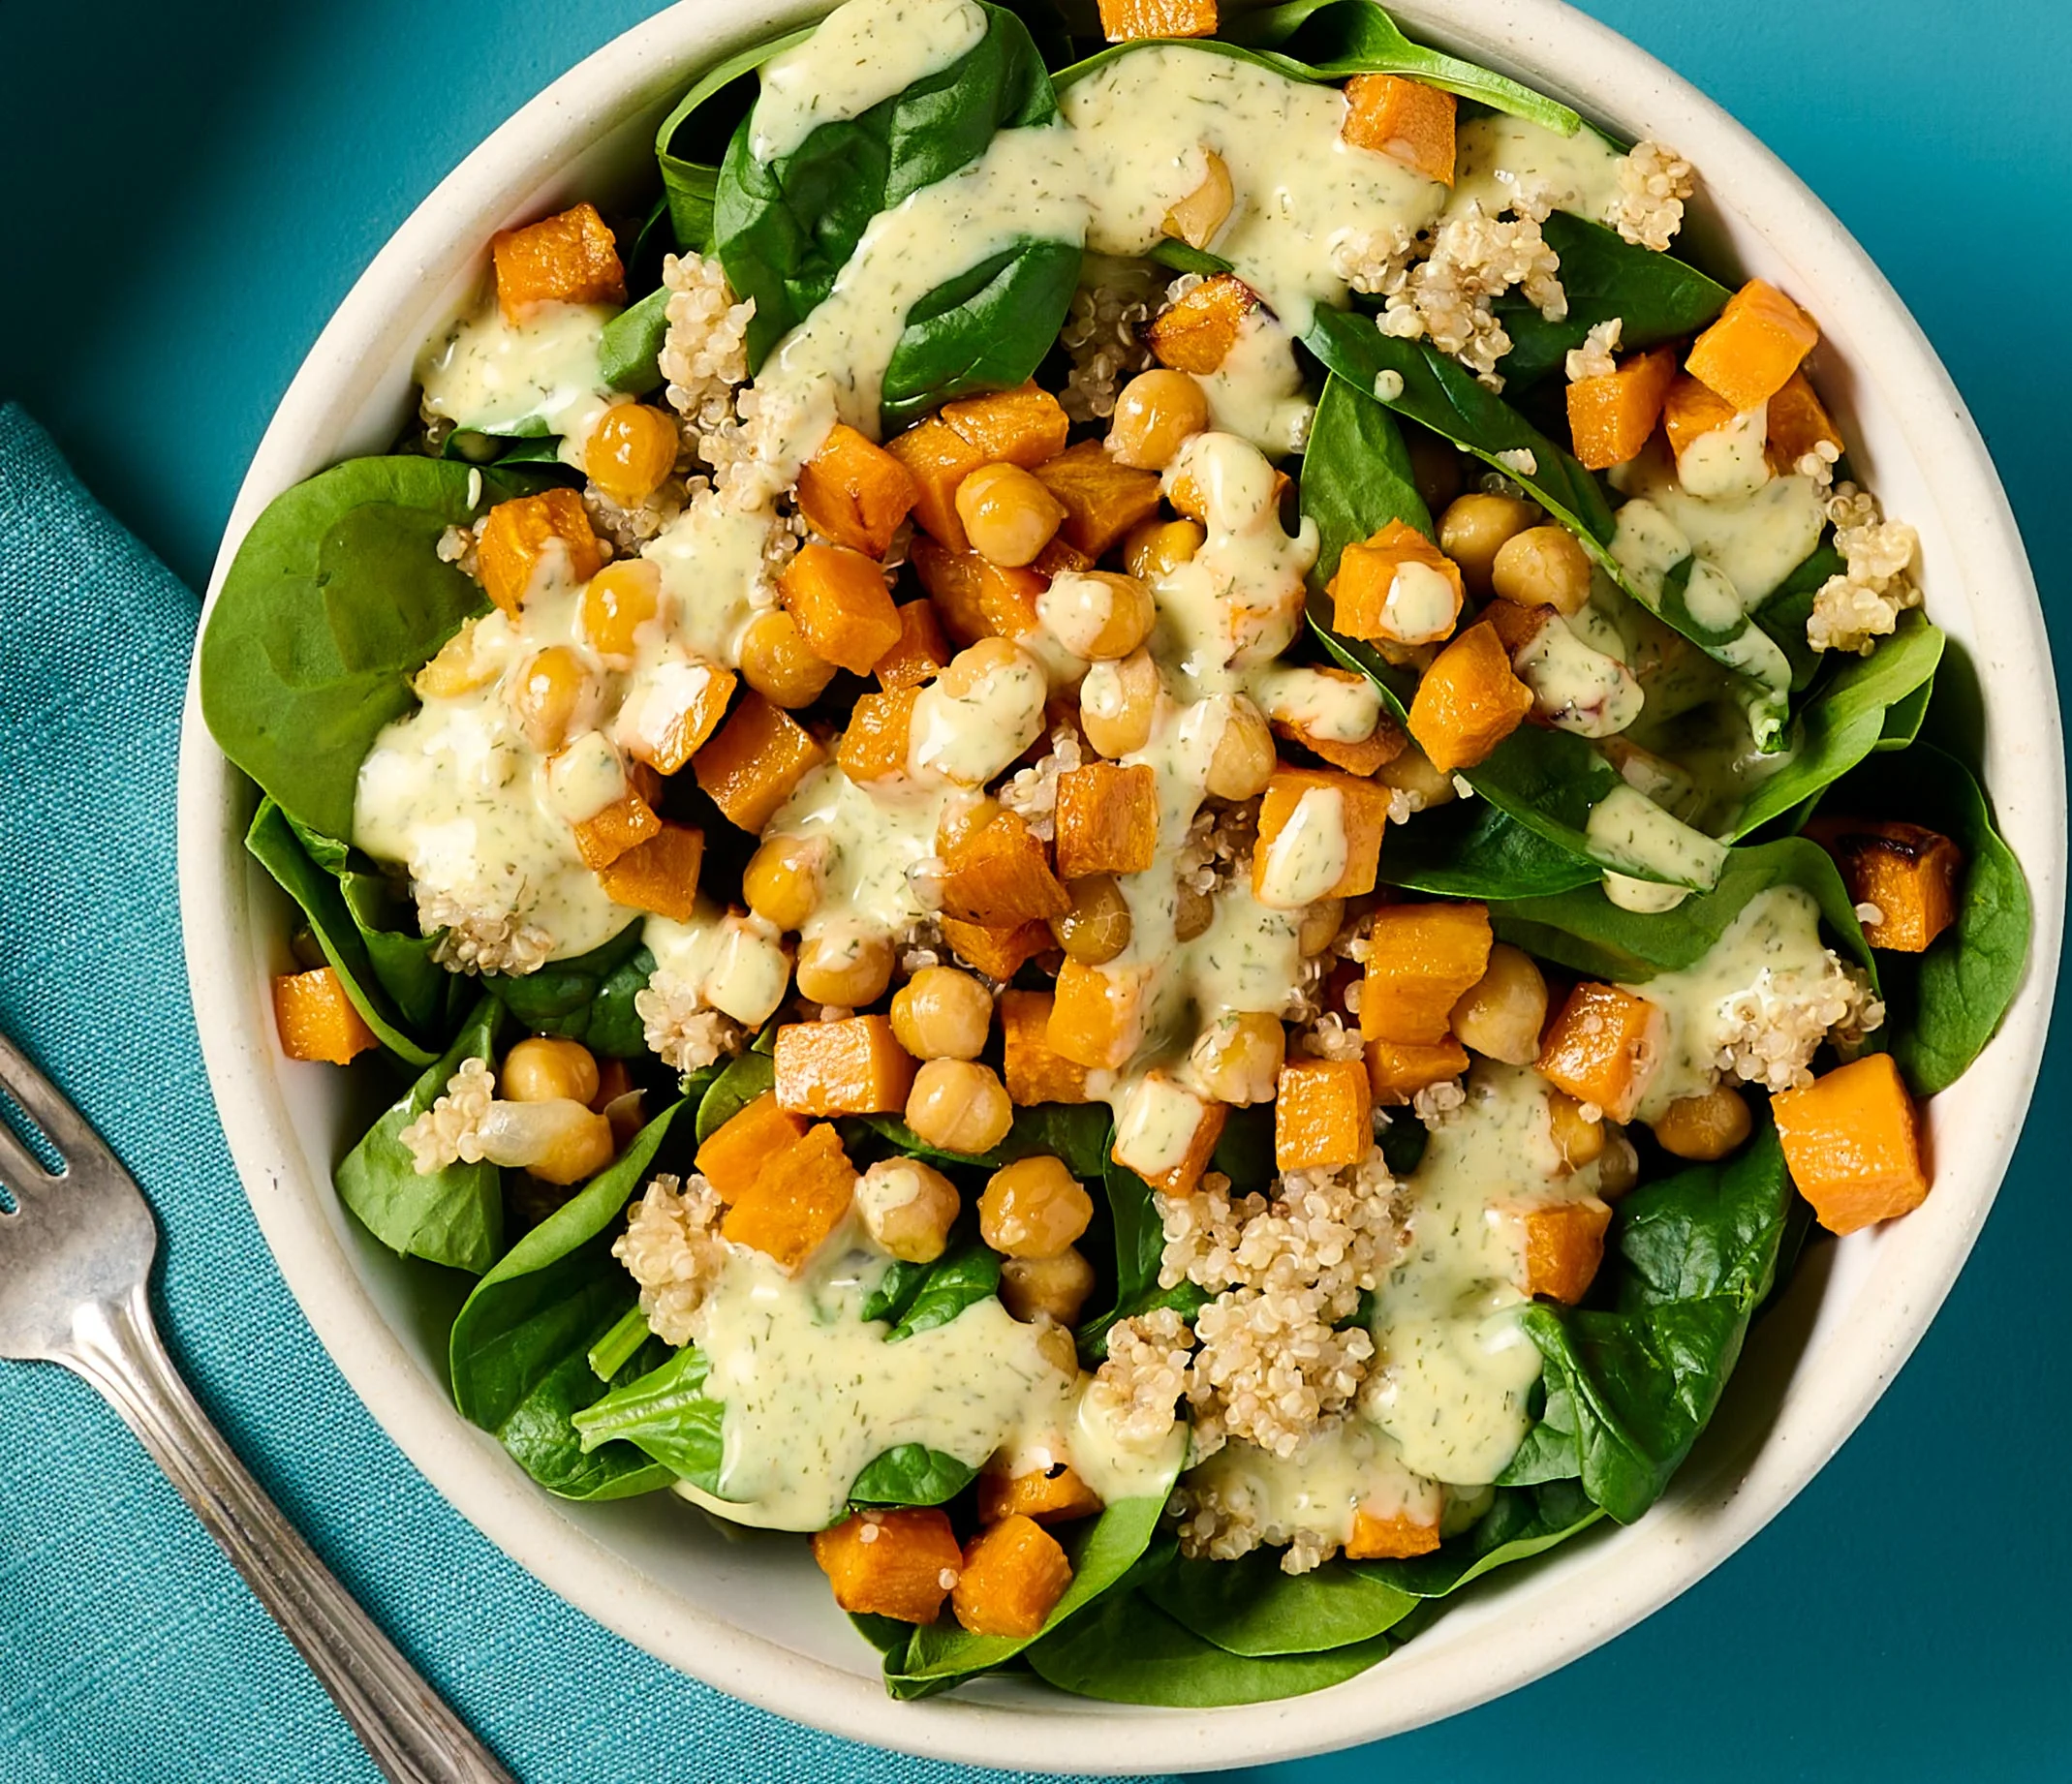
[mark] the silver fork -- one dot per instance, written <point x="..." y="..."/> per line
<point x="75" y="1258"/>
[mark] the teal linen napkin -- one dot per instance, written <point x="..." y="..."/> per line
<point x="130" y="1652"/>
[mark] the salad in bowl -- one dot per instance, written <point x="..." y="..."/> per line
<point x="1135" y="827"/>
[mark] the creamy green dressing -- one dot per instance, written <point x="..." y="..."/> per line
<point x="1498" y="158"/>
<point x="730" y="961"/>
<point x="1348" y="1467"/>
<point x="1633" y="833"/>
<point x="541" y="375"/>
<point x="862" y="54"/>
<point x="1257" y="391"/>
<point x="1755" y="540"/>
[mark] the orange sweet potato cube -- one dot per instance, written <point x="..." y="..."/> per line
<point x="1103" y="499"/>
<point x="1690" y="412"/>
<point x="1908" y="872"/>
<point x="1023" y="426"/>
<point x="1360" y="756"/>
<point x="734" y="1152"/>
<point x="1014" y="1572"/>
<point x="853" y="1066"/>
<point x="798" y="1197"/>
<point x="1368" y="601"/>
<point x="1107" y="820"/>
<point x="1305" y="810"/>
<point x="855" y="493"/>
<point x="1604" y="1048"/>
<point x="1196" y="333"/>
<point x="899" y="1562"/>
<point x="317" y="1020"/>
<point x="677" y="713"/>
<point x="1852" y="1143"/>
<point x="1158" y="1108"/>
<point x="1397" y="1070"/>
<point x="938" y="458"/>
<point x="569" y="258"/>
<point x="997" y="953"/>
<point x="974" y="598"/>
<point x="1057" y="558"/>
<point x="1033" y="1071"/>
<point x="755" y="761"/>
<point x="1420" y="958"/>
<point x="1748" y="354"/>
<point x="875" y="745"/>
<point x="1097" y="1018"/>
<point x="1123" y="21"/>
<point x="624" y="824"/>
<point x="839" y="599"/>
<point x="1610" y="416"/>
<point x="1405" y="120"/>
<point x="1798" y="424"/>
<point x="1050" y="1496"/>
<point x="522" y="535"/>
<point x="1390" y="1536"/>
<point x="659" y="875"/>
<point x="1323" y="1116"/>
<point x="1467" y="702"/>
<point x="1000" y="877"/>
<point x="1559" y="1245"/>
<point x="921" y="651"/>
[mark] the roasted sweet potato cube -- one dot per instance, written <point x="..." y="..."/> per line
<point x="1319" y="836"/>
<point x="1166" y="1133"/>
<point x="853" y="1066"/>
<point x="1467" y="702"/>
<point x="1107" y="820"/>
<point x="1196" y="333"/>
<point x="1022" y="426"/>
<point x="1610" y="416"/>
<point x="1559" y="1245"/>
<point x="1394" y="1535"/>
<point x="1604" y="1048"/>
<point x="1690" y="412"/>
<point x="1852" y="1143"/>
<point x="1405" y="120"/>
<point x="1036" y="1072"/>
<point x="1358" y="755"/>
<point x="921" y="651"/>
<point x="1748" y="354"/>
<point x="855" y="493"/>
<point x="899" y="1563"/>
<point x="1097" y="1019"/>
<point x="569" y="258"/>
<point x="317" y="1020"/>
<point x="1398" y="587"/>
<point x="1397" y="1070"/>
<point x="974" y="598"/>
<point x="839" y="599"/>
<point x="1323" y="1116"/>
<point x="1050" y="1496"/>
<point x="997" y="953"/>
<point x="755" y="761"/>
<point x="529" y="534"/>
<point x="1192" y="500"/>
<point x="1123" y="21"/>
<point x="1517" y="624"/>
<point x="938" y="458"/>
<point x="1101" y="499"/>
<point x="1908" y="873"/>
<point x="1420" y="958"/>
<point x="1057" y="558"/>
<point x="798" y="1197"/>
<point x="624" y="824"/>
<point x="1799" y="424"/>
<point x="1014" y="1572"/>
<point x="659" y="875"/>
<point x="1000" y="878"/>
<point x="875" y="745"/>
<point x="665" y="721"/>
<point x="734" y="1152"/>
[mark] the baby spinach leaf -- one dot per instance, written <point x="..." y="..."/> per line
<point x="747" y="1077"/>
<point x="694" y="135"/>
<point x="1791" y="604"/>
<point x="988" y="329"/>
<point x="1904" y="718"/>
<point x="1140" y="1251"/>
<point x="629" y="350"/>
<point x="1519" y="1523"/>
<point x="452" y="1216"/>
<point x="565" y="997"/>
<point x="959" y="1279"/>
<point x="1403" y="1142"/>
<point x="620" y="1346"/>
<point x="1472" y="849"/>
<point x="1357" y="475"/>
<point x="912" y="1474"/>
<point x="666" y="1415"/>
<point x="1244" y="1148"/>
<point x="1251" y="1606"/>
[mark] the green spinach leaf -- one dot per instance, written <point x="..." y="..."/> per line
<point x="987" y="330"/>
<point x="629" y="350"/>
<point x="1244" y="1148"/>
<point x="912" y="1474"/>
<point x="587" y="998"/>
<point x="1075" y="1132"/>
<point x="694" y="135"/>
<point x="745" y="1078"/>
<point x="1472" y="849"/>
<point x="1791" y="604"/>
<point x="666" y="1415"/>
<point x="1251" y="1606"/>
<point x="961" y="1278"/>
<point x="1140" y="1251"/>
<point x="1357" y="475"/>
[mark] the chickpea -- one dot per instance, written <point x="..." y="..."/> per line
<point x="1578" y="1142"/>
<point x="785" y="879"/>
<point x="1434" y="468"/>
<point x="1097" y="614"/>
<point x="630" y="452"/>
<point x="557" y="1141"/>
<point x="1543" y="567"/>
<point x="1192" y="913"/>
<point x="1053" y="1288"/>
<point x="1473" y="529"/>
<point x="618" y="600"/>
<point x="548" y="697"/>
<point x="908" y="1208"/>
<point x="1057" y="1345"/>
<point x="1033" y="1208"/>
<point x="1008" y="514"/>
<point x="1243" y="760"/>
<point x="959" y="1106"/>
<point x="1619" y="1170"/>
<point x="545" y="1067"/>
<point x="1098" y="926"/>
<point x="583" y="1150"/>
<point x="1154" y="413"/>
<point x="1195" y="218"/>
<point x="1706" y="1127"/>
<point x="1117" y="704"/>
<point x="1156" y="548"/>
<point x="1320" y="924"/>
<point x="846" y="966"/>
<point x="1412" y="773"/>
<point x="941" y="1014"/>
<point x="964" y="814"/>
<point x="1238" y="1058"/>
<point x="1500" y="1015"/>
<point x="778" y="662"/>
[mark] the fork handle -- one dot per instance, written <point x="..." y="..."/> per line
<point x="410" y="1733"/>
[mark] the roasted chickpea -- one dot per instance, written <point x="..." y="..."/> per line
<point x="1542" y="566"/>
<point x="557" y="1141"/>
<point x="1008" y="514"/>
<point x="545" y="1067"/>
<point x="1244" y="758"/>
<point x="1238" y="1058"/>
<point x="1052" y="1288"/>
<point x="1578" y="1142"/>
<point x="549" y="696"/>
<point x="941" y="1014"/>
<point x="1098" y="926"/>
<point x="1033" y="1208"/>
<point x="1412" y="773"/>
<point x="1320" y="923"/>
<point x="1192" y="913"/>
<point x="617" y="601"/>
<point x="1196" y="218"/>
<point x="1473" y="529"/>
<point x="1097" y="614"/>
<point x="778" y="662"/>
<point x="1619" y="1170"/>
<point x="908" y="1208"/>
<point x="1156" y="548"/>
<point x="845" y="966"/>
<point x="785" y="879"/>
<point x="630" y="452"/>
<point x="1434" y="468"/>
<point x="1118" y="702"/>
<point x="959" y="1106"/>
<point x="1155" y="412"/>
<point x="1706" y="1127"/>
<point x="1500" y="1015"/>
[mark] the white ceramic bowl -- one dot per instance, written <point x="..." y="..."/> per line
<point x="750" y="1613"/>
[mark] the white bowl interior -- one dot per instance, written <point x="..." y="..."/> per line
<point x="750" y="1612"/>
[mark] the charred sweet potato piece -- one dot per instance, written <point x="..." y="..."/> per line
<point x="755" y="761"/>
<point x="855" y="493"/>
<point x="1123" y="21"/>
<point x="899" y="1562"/>
<point x="1559" y="1247"/>
<point x="624" y="824"/>
<point x="973" y="596"/>
<point x="1310" y="818"/>
<point x="1323" y="1116"/>
<point x="875" y="745"/>
<point x="997" y="953"/>
<point x="1361" y="756"/>
<point x="938" y="458"/>
<point x="1000" y="878"/>
<point x="659" y="875"/>
<point x="853" y="1066"/>
<point x="1420" y="958"/>
<point x="1852" y="1143"/>
<point x="1690" y="412"/>
<point x="921" y="651"/>
<point x="1050" y="1496"/>
<point x="1101" y="499"/>
<point x="317" y="1020"/>
<point x="666" y="723"/>
<point x="1168" y="1134"/>
<point x="797" y="1199"/>
<point x="1467" y="702"/>
<point x="1033" y="1071"/>
<point x="839" y="599"/>
<point x="1022" y="426"/>
<point x="1907" y="872"/>
<point x="1610" y="416"/>
<point x="1107" y="820"/>
<point x="1604" y="1048"/>
<point x="569" y="258"/>
<point x="1014" y="1572"/>
<point x="1390" y="1536"/>
<point x="1798" y="424"/>
<point x="1405" y="120"/>
<point x="1397" y="1070"/>
<point x="734" y="1152"/>
<point x="520" y="534"/>
<point x="1748" y="354"/>
<point x="1196" y="333"/>
<point x="1097" y="1018"/>
<point x="1398" y="587"/>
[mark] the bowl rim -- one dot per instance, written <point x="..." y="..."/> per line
<point x="1696" y="1529"/>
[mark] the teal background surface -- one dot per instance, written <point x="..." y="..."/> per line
<point x="192" y="188"/>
